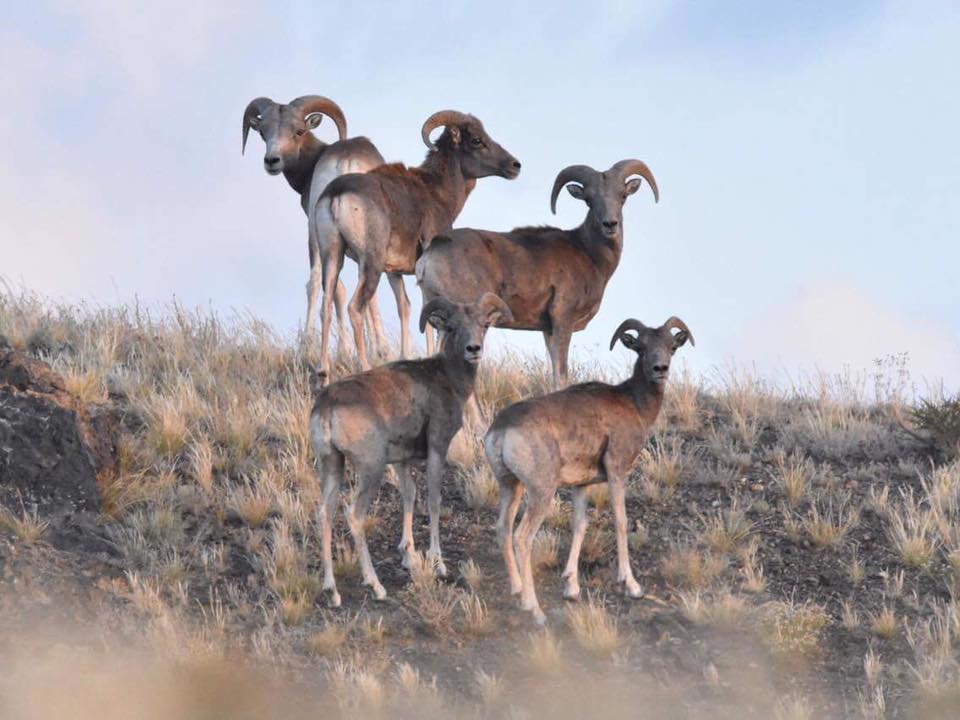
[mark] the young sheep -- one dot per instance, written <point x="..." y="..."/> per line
<point x="586" y="434"/>
<point x="405" y="412"/>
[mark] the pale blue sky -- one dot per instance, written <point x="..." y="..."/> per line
<point x="807" y="155"/>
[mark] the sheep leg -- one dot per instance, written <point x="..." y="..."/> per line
<point x="550" y="339"/>
<point x="375" y="327"/>
<point x="436" y="464"/>
<point x="332" y="264"/>
<point x="431" y="343"/>
<point x="314" y="282"/>
<point x="511" y="492"/>
<point x="579" y="530"/>
<point x="618" y="495"/>
<point x="408" y="490"/>
<point x="562" y="343"/>
<point x="331" y="469"/>
<point x="403" y="310"/>
<point x="538" y="505"/>
<point x="366" y="286"/>
<point x="340" y="303"/>
<point x="368" y="482"/>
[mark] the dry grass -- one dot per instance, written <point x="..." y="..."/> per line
<point x="478" y="486"/>
<point x="911" y="531"/>
<point x="793" y="476"/>
<point x="725" y="529"/>
<point x="545" y="653"/>
<point x="687" y="566"/>
<point x="884" y="623"/>
<point x="472" y="574"/>
<point x="594" y="629"/>
<point x="662" y="468"/>
<point x="432" y="602"/>
<point x="329" y="640"/>
<point x="545" y="553"/>
<point x="477" y="619"/>
<point x="791" y="629"/>
<point x="27" y="526"/>
<point x="721" y="609"/>
<point x="829" y="521"/>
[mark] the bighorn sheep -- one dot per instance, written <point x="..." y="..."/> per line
<point x="380" y="219"/>
<point x="552" y="279"/>
<point x="586" y="434"/>
<point x="404" y="412"/>
<point x="308" y="166"/>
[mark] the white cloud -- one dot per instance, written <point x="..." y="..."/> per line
<point x="837" y="325"/>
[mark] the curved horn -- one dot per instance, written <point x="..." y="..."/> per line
<point x="626" y="168"/>
<point x="582" y="174"/>
<point x="675" y="322"/>
<point x="629" y="324"/>
<point x="443" y="117"/>
<point x="493" y="303"/>
<point x="438" y="303"/>
<point x="309" y="104"/>
<point x="257" y="107"/>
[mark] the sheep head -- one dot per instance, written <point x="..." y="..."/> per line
<point x="465" y="325"/>
<point x="654" y="346"/>
<point x="464" y="135"/>
<point x="285" y="128"/>
<point x="604" y="193"/>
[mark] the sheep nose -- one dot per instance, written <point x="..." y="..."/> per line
<point x="661" y="369"/>
<point x="610" y="224"/>
<point x="516" y="164"/>
<point x="475" y="349"/>
<point x="271" y="160"/>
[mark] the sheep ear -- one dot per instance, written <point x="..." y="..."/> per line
<point x="632" y="186"/>
<point x="454" y="135"/>
<point x="630" y="341"/>
<point x="575" y="190"/>
<point x="313" y="120"/>
<point x="438" y="312"/>
<point x="680" y="339"/>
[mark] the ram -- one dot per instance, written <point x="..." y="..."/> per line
<point x="406" y="413"/>
<point x="588" y="433"/>
<point x="380" y="219"/>
<point x="308" y="164"/>
<point x="552" y="279"/>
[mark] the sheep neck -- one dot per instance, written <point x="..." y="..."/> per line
<point x="646" y="395"/>
<point x="463" y="375"/>
<point x="603" y="251"/>
<point x="442" y="173"/>
<point x="300" y="174"/>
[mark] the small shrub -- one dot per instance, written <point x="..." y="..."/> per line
<point x="940" y="419"/>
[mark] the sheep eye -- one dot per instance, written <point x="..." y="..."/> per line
<point x="300" y="132"/>
<point x="476" y="142"/>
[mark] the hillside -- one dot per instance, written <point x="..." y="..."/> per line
<point x="799" y="549"/>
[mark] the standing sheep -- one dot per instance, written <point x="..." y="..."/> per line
<point x="405" y="412"/>
<point x="586" y="434"/>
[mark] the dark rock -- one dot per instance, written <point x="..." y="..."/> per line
<point x="51" y="446"/>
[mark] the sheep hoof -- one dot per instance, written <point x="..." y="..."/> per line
<point x="379" y="593"/>
<point x="539" y="619"/>
<point x="572" y="591"/>
<point x="516" y="587"/>
<point x="634" y="590"/>
<point x="334" y="599"/>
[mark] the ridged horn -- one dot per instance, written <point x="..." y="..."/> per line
<point x="444" y="118"/>
<point x="582" y="174"/>
<point x="626" y="168"/>
<point x="308" y="104"/>
<point x="437" y="304"/>
<point x="675" y="322"/>
<point x="257" y="107"/>
<point x="492" y="303"/>
<point x="629" y="324"/>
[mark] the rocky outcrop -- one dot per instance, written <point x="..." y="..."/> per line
<point x="52" y="447"/>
